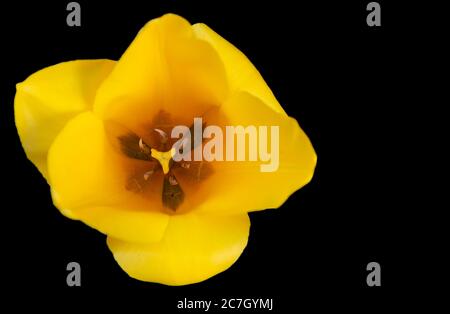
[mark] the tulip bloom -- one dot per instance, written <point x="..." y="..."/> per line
<point x="98" y="131"/>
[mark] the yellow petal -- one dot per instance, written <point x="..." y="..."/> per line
<point x="88" y="180"/>
<point x="242" y="74"/>
<point x="240" y="185"/>
<point x="128" y="224"/>
<point x="194" y="248"/>
<point x="165" y="68"/>
<point x="49" y="98"/>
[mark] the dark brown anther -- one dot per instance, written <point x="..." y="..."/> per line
<point x="133" y="146"/>
<point x="172" y="195"/>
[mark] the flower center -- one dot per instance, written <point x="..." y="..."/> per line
<point x="152" y="147"/>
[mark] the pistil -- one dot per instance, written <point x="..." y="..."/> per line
<point x="164" y="158"/>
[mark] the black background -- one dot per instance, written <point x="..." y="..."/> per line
<point x="343" y="81"/>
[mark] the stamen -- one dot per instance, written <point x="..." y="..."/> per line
<point x="172" y="195"/>
<point x="148" y="174"/>
<point x="173" y="180"/>
<point x="141" y="144"/>
<point x="144" y="147"/>
<point x="133" y="146"/>
<point x="163" y="134"/>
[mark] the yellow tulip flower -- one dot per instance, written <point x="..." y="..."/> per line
<point x="98" y="130"/>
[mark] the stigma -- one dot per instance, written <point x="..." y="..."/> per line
<point x="164" y="158"/>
